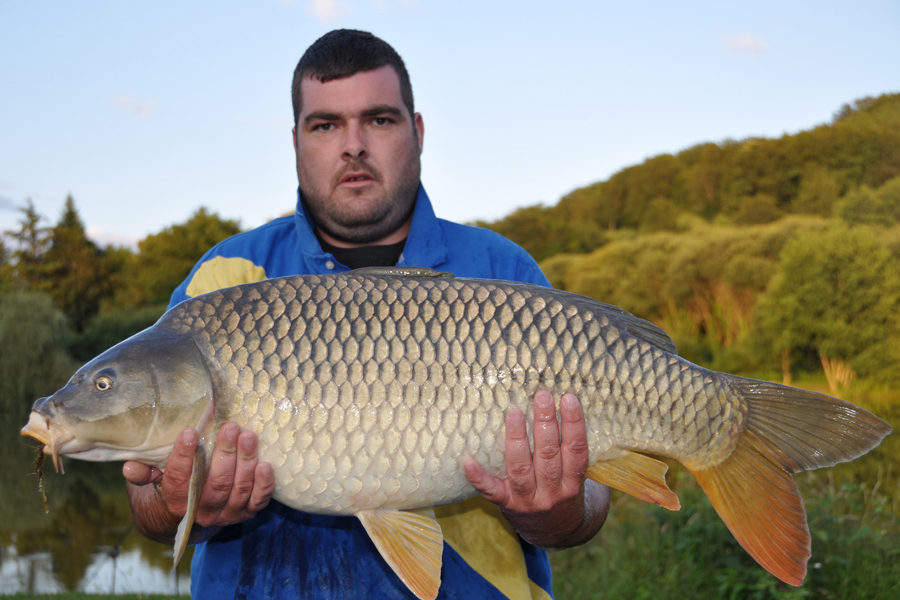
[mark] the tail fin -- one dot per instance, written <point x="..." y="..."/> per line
<point x="788" y="430"/>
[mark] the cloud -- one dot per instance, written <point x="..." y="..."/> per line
<point x="743" y="42"/>
<point x="133" y="105"/>
<point x="327" y="10"/>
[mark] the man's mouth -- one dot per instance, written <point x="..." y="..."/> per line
<point x="357" y="178"/>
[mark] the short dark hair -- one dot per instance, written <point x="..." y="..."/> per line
<point x="345" y="52"/>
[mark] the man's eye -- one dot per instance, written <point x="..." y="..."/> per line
<point x="323" y="127"/>
<point x="381" y="121"/>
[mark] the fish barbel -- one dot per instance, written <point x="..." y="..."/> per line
<point x="369" y="390"/>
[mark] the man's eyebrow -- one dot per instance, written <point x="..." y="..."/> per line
<point x="321" y="116"/>
<point x="383" y="109"/>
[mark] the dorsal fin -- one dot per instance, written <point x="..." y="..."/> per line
<point x="401" y="272"/>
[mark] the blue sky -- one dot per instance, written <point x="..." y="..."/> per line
<point x="146" y="111"/>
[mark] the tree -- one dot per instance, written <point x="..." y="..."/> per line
<point x="166" y="258"/>
<point x="818" y="191"/>
<point x="6" y="268"/>
<point x="889" y="193"/>
<point x="78" y="277"/>
<point x="33" y="333"/>
<point x="864" y="206"/>
<point x="836" y="293"/>
<point x="31" y="242"/>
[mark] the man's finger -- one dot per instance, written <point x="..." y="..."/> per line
<point x="263" y="488"/>
<point x="519" y="465"/>
<point x="218" y="485"/>
<point x="176" y="480"/>
<point x="487" y="485"/>
<point x="547" y="463"/>
<point x="575" y="451"/>
<point x="244" y="473"/>
<point x="138" y="473"/>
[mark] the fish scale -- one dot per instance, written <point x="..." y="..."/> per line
<point x="369" y="390"/>
<point x="372" y="350"/>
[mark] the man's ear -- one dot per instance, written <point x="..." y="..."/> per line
<point x="420" y="130"/>
<point x="294" y="137"/>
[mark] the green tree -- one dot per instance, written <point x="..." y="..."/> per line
<point x="30" y="241"/>
<point x="864" y="206"/>
<point x="33" y="333"/>
<point x="165" y="258"/>
<point x="78" y="276"/>
<point x="837" y="294"/>
<point x="889" y="193"/>
<point x="6" y="269"/>
<point x="819" y="190"/>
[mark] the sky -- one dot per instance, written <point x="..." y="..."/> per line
<point x="146" y="111"/>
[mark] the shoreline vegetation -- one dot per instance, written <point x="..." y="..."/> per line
<point x="771" y="258"/>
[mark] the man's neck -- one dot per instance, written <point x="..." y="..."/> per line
<point x="398" y="236"/>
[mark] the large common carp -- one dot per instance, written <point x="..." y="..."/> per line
<point x="369" y="390"/>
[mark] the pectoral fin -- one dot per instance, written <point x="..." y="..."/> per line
<point x="198" y="477"/>
<point x="638" y="475"/>
<point x="412" y="544"/>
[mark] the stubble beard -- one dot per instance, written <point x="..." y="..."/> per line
<point x="347" y="221"/>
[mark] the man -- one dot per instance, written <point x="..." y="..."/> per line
<point x="358" y="142"/>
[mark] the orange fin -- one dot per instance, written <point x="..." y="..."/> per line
<point x="759" y="503"/>
<point x="788" y="430"/>
<point x="641" y="476"/>
<point x="412" y="544"/>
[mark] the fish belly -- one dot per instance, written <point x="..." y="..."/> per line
<point x="371" y="391"/>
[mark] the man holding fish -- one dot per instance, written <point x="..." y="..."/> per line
<point x="358" y="142"/>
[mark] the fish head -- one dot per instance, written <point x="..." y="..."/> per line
<point x="129" y="403"/>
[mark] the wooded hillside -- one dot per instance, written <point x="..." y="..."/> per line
<point x="825" y="171"/>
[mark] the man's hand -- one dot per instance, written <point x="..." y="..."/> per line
<point x="237" y="486"/>
<point x="545" y="495"/>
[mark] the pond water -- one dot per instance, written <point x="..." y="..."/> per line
<point x="86" y="541"/>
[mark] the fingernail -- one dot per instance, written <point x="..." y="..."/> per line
<point x="515" y="417"/>
<point x="570" y="402"/>
<point x="544" y="399"/>
<point x="189" y="437"/>
<point x="265" y="469"/>
<point x="231" y="433"/>
<point x="248" y="442"/>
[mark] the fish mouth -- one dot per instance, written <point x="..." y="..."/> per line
<point x="51" y="436"/>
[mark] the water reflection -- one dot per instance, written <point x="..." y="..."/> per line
<point x="86" y="542"/>
<point x="106" y="573"/>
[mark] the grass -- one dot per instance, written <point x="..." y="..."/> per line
<point x="647" y="552"/>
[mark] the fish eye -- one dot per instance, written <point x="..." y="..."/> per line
<point x="105" y="380"/>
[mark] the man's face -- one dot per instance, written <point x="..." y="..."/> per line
<point x="358" y="152"/>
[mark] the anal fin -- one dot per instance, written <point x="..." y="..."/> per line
<point x="410" y="541"/>
<point x="638" y="475"/>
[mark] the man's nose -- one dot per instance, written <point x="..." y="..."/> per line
<point x="355" y="143"/>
